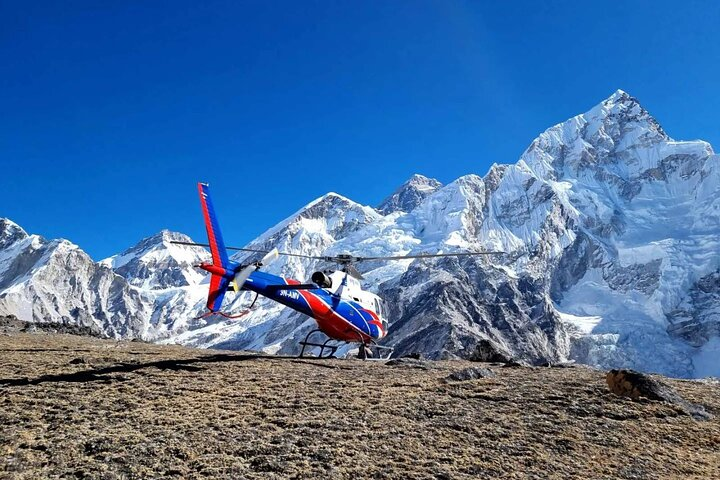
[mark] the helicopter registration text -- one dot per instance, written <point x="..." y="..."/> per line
<point x="290" y="294"/>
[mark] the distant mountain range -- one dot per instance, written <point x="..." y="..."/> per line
<point x="610" y="230"/>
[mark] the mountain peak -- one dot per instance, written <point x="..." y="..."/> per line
<point x="610" y="239"/>
<point x="469" y="179"/>
<point x="330" y="215"/>
<point x="409" y="195"/>
<point x="611" y="128"/>
<point x="165" y="237"/>
<point x="618" y="96"/>
<point x="10" y="232"/>
<point x="155" y="262"/>
<point x="7" y="225"/>
<point x="325" y="205"/>
<point x="623" y="108"/>
<point x="161" y="239"/>
<point x="330" y="198"/>
<point x="419" y="178"/>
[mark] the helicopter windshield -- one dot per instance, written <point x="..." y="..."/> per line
<point x="383" y="315"/>
<point x="380" y="309"/>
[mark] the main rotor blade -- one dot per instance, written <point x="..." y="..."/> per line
<point x="345" y="259"/>
<point x="426" y="255"/>
<point x="193" y="244"/>
<point x="299" y="286"/>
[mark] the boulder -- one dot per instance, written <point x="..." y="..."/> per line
<point x="415" y="355"/>
<point x="470" y="373"/>
<point x="486" y="351"/>
<point x="409" y="362"/>
<point x="629" y="383"/>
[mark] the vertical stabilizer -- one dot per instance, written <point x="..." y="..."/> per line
<point x="217" y="246"/>
<point x="218" y="287"/>
<point x="219" y="280"/>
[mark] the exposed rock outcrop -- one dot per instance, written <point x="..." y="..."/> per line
<point x="629" y="383"/>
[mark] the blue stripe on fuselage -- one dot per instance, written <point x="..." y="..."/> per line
<point x="351" y="312"/>
<point x="261" y="282"/>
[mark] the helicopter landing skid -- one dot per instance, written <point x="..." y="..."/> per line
<point x="380" y="349"/>
<point x="326" y="345"/>
<point x="365" y="351"/>
<point x="332" y="348"/>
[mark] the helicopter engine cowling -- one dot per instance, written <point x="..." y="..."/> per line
<point x="321" y="280"/>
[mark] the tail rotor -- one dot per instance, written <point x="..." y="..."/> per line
<point x="242" y="275"/>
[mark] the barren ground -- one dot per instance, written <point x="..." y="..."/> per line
<point x="88" y="408"/>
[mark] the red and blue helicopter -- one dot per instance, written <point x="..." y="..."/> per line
<point x="344" y="312"/>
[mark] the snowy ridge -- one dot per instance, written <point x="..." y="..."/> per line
<point x="607" y="230"/>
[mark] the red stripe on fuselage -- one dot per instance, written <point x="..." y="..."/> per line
<point x="209" y="228"/>
<point x="330" y="322"/>
<point x="372" y="314"/>
<point x="375" y="321"/>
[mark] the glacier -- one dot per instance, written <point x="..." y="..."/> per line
<point x="607" y="227"/>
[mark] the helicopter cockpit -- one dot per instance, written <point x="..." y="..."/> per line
<point x="348" y="287"/>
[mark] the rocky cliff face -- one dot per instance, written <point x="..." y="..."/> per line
<point x="608" y="231"/>
<point x="44" y="281"/>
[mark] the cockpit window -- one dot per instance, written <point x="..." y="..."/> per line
<point x="378" y="307"/>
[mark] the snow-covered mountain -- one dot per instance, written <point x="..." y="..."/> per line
<point x="608" y="231"/>
<point x="409" y="195"/>
<point x="156" y="264"/>
<point x="45" y="281"/>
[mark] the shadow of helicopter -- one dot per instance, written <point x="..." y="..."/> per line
<point x="184" y="364"/>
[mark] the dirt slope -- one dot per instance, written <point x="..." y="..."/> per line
<point x="88" y="408"/>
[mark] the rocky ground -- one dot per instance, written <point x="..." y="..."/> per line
<point x="80" y="407"/>
<point x="10" y="324"/>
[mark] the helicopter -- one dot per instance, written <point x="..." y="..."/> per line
<point x="335" y="299"/>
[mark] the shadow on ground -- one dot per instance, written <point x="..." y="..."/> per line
<point x="185" y="364"/>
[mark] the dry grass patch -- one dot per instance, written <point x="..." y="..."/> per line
<point x="88" y="408"/>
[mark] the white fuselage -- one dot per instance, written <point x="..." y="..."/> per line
<point x="348" y="287"/>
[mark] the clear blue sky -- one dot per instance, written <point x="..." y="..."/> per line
<point x="111" y="111"/>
